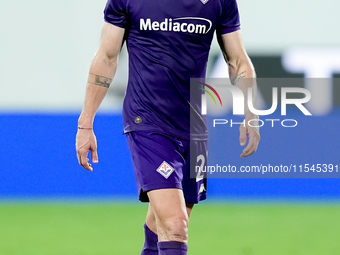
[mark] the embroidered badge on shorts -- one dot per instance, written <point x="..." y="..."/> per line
<point x="165" y="169"/>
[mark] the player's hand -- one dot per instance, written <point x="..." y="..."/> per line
<point x="86" y="141"/>
<point x="254" y="137"/>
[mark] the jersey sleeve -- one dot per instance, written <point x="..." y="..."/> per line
<point x="229" y="20"/>
<point x="115" y="13"/>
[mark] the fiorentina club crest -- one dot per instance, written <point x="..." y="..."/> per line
<point x="165" y="169"/>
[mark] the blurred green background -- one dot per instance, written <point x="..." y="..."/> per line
<point x="215" y="228"/>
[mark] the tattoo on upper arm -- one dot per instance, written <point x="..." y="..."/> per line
<point x="239" y="77"/>
<point x="101" y="81"/>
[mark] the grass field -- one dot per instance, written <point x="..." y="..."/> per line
<point x="228" y="229"/>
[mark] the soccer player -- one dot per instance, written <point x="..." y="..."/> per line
<point x="168" y="43"/>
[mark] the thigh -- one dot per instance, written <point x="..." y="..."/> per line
<point x="167" y="203"/>
<point x="169" y="209"/>
<point x="151" y="218"/>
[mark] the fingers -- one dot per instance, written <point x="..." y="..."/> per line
<point x="243" y="135"/>
<point x="84" y="143"/>
<point x="249" y="150"/>
<point x="83" y="159"/>
<point x="94" y="155"/>
<point x="254" y="139"/>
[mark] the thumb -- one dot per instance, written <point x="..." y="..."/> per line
<point x="243" y="135"/>
<point x="94" y="156"/>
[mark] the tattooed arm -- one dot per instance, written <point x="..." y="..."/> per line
<point x="102" y="71"/>
<point x="242" y="74"/>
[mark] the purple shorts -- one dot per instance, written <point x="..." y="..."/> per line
<point x="163" y="161"/>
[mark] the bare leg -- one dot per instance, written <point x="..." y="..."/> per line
<point x="151" y="220"/>
<point x="170" y="215"/>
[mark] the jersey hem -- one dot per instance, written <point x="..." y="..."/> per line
<point x="188" y="199"/>
<point x="195" y="200"/>
<point x="147" y="188"/>
<point x="115" y="24"/>
<point x="229" y="30"/>
<point x="175" y="133"/>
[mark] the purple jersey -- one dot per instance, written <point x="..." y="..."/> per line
<point x="168" y="43"/>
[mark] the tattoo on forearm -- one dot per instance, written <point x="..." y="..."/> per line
<point x="101" y="81"/>
<point x="239" y="77"/>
